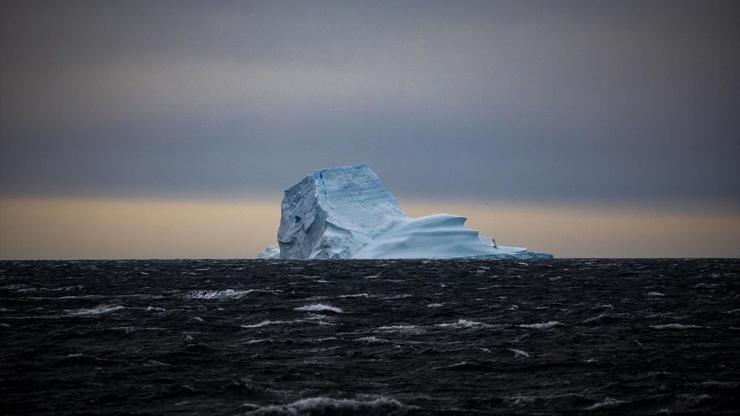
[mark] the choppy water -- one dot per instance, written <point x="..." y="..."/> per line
<point x="370" y="337"/>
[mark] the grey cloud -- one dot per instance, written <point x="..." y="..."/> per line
<point x="554" y="100"/>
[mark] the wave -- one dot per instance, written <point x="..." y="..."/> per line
<point x="607" y="402"/>
<point x="605" y="318"/>
<point x="394" y="297"/>
<point x="372" y="340"/>
<point x="319" y="307"/>
<point x="406" y="329"/>
<point x="98" y="310"/>
<point x="519" y="353"/>
<point x="266" y="323"/>
<point x="677" y="326"/>
<point x="327" y="405"/>
<point x="541" y="325"/>
<point x="706" y="285"/>
<point x="464" y="324"/>
<point x="217" y="294"/>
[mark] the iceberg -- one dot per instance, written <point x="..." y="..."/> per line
<point x="347" y="213"/>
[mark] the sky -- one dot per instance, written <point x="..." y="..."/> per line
<point x="582" y="128"/>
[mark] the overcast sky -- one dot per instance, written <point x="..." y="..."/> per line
<point x="585" y="101"/>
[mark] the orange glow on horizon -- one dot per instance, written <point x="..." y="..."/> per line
<point x="64" y="228"/>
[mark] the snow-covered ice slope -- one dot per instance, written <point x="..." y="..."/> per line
<point x="346" y="212"/>
<point x="433" y="236"/>
<point x="333" y="212"/>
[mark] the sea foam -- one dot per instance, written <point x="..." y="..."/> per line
<point x="327" y="405"/>
<point x="541" y="325"/>
<point x="319" y="307"/>
<point x="217" y="294"/>
<point x="98" y="310"/>
<point x="464" y="324"/>
<point x="676" y="326"/>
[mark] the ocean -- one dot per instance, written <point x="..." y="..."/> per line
<point x="455" y="337"/>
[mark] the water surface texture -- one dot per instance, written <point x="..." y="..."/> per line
<point x="370" y="337"/>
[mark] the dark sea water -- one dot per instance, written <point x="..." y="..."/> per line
<point x="370" y="337"/>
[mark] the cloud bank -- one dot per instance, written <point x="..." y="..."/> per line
<point x="561" y="101"/>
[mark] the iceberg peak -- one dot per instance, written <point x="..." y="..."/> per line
<point x="333" y="212"/>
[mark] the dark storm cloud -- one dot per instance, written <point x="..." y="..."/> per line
<point x="533" y="100"/>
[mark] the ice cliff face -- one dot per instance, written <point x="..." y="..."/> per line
<point x="346" y="212"/>
<point x="332" y="213"/>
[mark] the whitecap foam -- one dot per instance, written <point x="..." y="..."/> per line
<point x="607" y="402"/>
<point x="394" y="297"/>
<point x="519" y="353"/>
<point x="372" y="340"/>
<point x="327" y="405"/>
<point x="319" y="307"/>
<point x="604" y="317"/>
<point x="541" y="325"/>
<point x="656" y="294"/>
<point x="217" y="294"/>
<point x="407" y="329"/>
<point x="435" y="305"/>
<point x="98" y="310"/>
<point x="266" y="323"/>
<point x="356" y="295"/>
<point x="676" y="326"/>
<point x="706" y="285"/>
<point x="321" y="339"/>
<point x="463" y="324"/>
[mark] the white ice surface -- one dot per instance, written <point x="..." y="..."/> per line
<point x="433" y="236"/>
